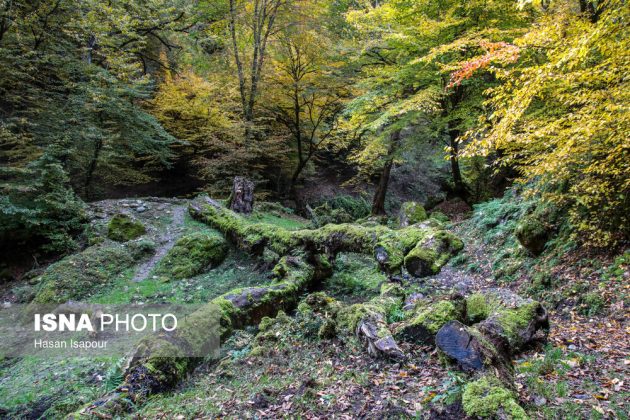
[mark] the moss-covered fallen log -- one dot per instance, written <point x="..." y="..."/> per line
<point x="161" y="361"/>
<point x="151" y="372"/>
<point x="368" y="321"/>
<point x="388" y="246"/>
<point x="500" y="324"/>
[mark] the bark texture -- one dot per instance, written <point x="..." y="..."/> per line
<point x="242" y="198"/>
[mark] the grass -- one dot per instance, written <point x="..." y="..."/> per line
<point x="236" y="271"/>
<point x="32" y="386"/>
<point x="288" y="222"/>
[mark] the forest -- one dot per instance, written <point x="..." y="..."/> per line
<point x="370" y="208"/>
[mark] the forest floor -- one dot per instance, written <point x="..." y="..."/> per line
<point x="580" y="372"/>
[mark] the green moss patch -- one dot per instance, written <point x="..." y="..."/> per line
<point x="487" y="397"/>
<point x="431" y="253"/>
<point x="78" y="276"/>
<point x="411" y="213"/>
<point x="123" y="228"/>
<point x="428" y="319"/>
<point x="192" y="254"/>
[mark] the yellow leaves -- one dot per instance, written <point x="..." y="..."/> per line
<point x="565" y="120"/>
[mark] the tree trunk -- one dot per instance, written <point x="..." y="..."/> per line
<point x="378" y="202"/>
<point x="89" y="176"/>
<point x="507" y="323"/>
<point x="242" y="197"/>
<point x="460" y="187"/>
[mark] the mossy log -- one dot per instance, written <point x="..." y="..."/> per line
<point x="150" y="371"/>
<point x="427" y="318"/>
<point x="388" y="246"/>
<point x="504" y="323"/>
<point x="501" y="324"/>
<point x="368" y="321"/>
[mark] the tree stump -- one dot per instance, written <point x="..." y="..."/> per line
<point x="242" y="197"/>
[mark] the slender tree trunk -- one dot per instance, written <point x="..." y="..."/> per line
<point x="296" y="175"/>
<point x="460" y="186"/>
<point x="378" y="202"/>
<point x="87" y="187"/>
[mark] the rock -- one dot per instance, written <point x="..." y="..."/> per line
<point x="431" y="253"/>
<point x="141" y="209"/>
<point x="533" y="234"/>
<point x="411" y="212"/>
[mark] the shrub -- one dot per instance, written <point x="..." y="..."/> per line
<point x="341" y="209"/>
<point x="38" y="207"/>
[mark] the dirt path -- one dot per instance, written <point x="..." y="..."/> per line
<point x="164" y="243"/>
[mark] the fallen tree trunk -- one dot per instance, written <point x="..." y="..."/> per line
<point x="504" y="324"/>
<point x="156" y="366"/>
<point x="368" y="321"/>
<point x="501" y="324"/>
<point x="150" y="372"/>
<point x="388" y="246"/>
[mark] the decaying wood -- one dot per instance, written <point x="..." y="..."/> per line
<point x="242" y="197"/>
<point x="148" y="373"/>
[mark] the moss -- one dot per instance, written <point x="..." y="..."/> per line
<point x="411" y="213"/>
<point x="75" y="277"/>
<point x="422" y="262"/>
<point x="356" y="277"/>
<point x="435" y="316"/>
<point x="431" y="253"/>
<point x="318" y="302"/>
<point x="533" y="234"/>
<point x="477" y="308"/>
<point x="486" y="397"/>
<point x="392" y="289"/>
<point x="513" y="320"/>
<point x="142" y="248"/>
<point x="123" y="228"/>
<point x="193" y="253"/>
<point x="439" y="216"/>
<point x="427" y="319"/>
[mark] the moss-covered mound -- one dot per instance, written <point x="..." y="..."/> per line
<point x="487" y="397"/>
<point x="431" y="253"/>
<point x="533" y="235"/>
<point x="123" y="228"/>
<point x="192" y="254"/>
<point x="411" y="213"/>
<point x="427" y="319"/>
<point x="77" y="276"/>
